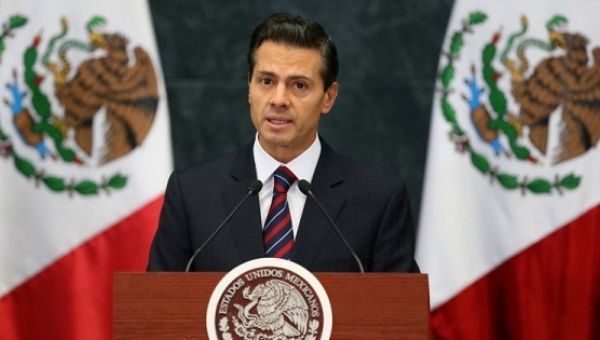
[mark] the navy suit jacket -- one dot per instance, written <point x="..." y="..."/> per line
<point x="371" y="210"/>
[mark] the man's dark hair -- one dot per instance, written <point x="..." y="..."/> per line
<point x="294" y="30"/>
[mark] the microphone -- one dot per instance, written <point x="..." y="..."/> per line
<point x="306" y="189"/>
<point x="253" y="189"/>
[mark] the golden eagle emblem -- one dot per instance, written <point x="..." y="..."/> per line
<point x="565" y="84"/>
<point x="280" y="310"/>
<point x="129" y="93"/>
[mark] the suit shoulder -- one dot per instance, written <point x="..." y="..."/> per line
<point x="212" y="171"/>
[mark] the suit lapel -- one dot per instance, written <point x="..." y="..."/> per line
<point x="245" y="224"/>
<point x="314" y="228"/>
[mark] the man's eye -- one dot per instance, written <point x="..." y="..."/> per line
<point x="266" y="81"/>
<point x="300" y="85"/>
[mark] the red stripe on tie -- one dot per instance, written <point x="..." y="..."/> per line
<point x="280" y="188"/>
<point x="277" y="228"/>
<point x="289" y="173"/>
<point x="283" y="251"/>
<point x="278" y="200"/>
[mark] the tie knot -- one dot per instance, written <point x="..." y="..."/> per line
<point x="284" y="178"/>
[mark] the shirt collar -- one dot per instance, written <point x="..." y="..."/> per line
<point x="302" y="166"/>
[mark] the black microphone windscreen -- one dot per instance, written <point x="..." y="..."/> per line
<point x="304" y="186"/>
<point x="254" y="187"/>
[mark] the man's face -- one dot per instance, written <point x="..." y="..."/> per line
<point x="286" y="98"/>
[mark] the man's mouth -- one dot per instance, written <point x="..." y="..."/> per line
<point x="278" y="121"/>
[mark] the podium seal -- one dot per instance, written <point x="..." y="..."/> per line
<point x="271" y="299"/>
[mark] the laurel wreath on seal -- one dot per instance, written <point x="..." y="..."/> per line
<point x="461" y="139"/>
<point x="312" y="331"/>
<point x="44" y="125"/>
<point x="224" y="329"/>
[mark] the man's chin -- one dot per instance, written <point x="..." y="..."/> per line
<point x="274" y="143"/>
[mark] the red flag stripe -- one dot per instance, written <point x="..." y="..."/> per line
<point x="548" y="291"/>
<point x="72" y="298"/>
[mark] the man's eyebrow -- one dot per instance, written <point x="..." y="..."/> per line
<point x="291" y="77"/>
<point x="265" y="73"/>
<point x="299" y="77"/>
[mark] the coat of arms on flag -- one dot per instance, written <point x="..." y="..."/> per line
<point x="549" y="97"/>
<point x="85" y="112"/>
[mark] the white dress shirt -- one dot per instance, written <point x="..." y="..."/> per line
<point x="302" y="166"/>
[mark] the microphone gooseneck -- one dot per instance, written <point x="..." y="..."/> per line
<point x="253" y="189"/>
<point x="306" y="189"/>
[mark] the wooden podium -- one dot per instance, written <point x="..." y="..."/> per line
<point x="365" y="306"/>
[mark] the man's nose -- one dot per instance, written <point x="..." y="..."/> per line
<point x="280" y="96"/>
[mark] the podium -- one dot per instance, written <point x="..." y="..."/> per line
<point x="365" y="306"/>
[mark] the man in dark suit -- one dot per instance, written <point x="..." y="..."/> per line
<point x="292" y="76"/>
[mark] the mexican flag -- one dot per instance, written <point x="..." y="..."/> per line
<point x="510" y="223"/>
<point x="84" y="158"/>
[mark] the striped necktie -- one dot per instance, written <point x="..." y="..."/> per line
<point x="278" y="235"/>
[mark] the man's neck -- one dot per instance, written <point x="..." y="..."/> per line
<point x="284" y="154"/>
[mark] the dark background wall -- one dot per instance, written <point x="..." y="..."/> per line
<point x="388" y="51"/>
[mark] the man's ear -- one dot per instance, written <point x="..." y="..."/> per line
<point x="249" y="79"/>
<point x="330" y="97"/>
